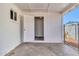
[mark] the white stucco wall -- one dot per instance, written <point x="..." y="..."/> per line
<point x="9" y="29"/>
<point x="52" y="27"/>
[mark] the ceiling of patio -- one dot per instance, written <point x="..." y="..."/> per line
<point x="44" y="7"/>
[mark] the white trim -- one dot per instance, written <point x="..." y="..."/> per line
<point x="70" y="8"/>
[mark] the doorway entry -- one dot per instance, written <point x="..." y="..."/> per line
<point x="39" y="28"/>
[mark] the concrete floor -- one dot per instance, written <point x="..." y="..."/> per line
<point x="43" y="49"/>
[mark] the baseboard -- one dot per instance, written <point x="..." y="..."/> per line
<point x="39" y="41"/>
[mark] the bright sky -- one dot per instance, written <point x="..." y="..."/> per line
<point x="72" y="16"/>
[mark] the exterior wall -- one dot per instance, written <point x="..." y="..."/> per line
<point x="9" y="29"/>
<point x="78" y="33"/>
<point x="72" y="30"/>
<point x="52" y="27"/>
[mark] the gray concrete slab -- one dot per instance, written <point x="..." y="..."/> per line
<point x="43" y="49"/>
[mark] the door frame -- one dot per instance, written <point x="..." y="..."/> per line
<point x="35" y="24"/>
<point x="21" y="28"/>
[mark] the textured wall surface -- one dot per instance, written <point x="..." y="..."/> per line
<point x="9" y="29"/>
<point x="52" y="27"/>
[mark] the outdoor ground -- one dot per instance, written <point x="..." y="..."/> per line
<point x="44" y="49"/>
